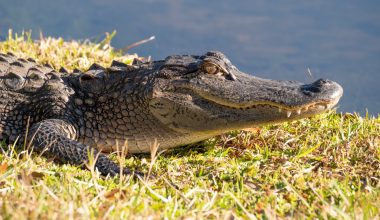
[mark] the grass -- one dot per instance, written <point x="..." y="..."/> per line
<point x="325" y="167"/>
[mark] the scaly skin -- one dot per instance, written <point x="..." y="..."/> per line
<point x="176" y="101"/>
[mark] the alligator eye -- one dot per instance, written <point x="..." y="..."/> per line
<point x="210" y="68"/>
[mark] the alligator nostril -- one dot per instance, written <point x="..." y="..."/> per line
<point x="321" y="82"/>
<point x="314" y="87"/>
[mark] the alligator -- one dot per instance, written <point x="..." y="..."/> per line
<point x="174" y="102"/>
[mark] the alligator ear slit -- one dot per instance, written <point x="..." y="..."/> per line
<point x="231" y="77"/>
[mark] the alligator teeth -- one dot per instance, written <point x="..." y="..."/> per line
<point x="298" y="111"/>
<point x="279" y="110"/>
<point x="306" y="108"/>
<point x="288" y="113"/>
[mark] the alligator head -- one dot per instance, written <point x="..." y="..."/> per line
<point x="207" y="94"/>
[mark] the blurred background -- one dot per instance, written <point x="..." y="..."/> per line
<point x="338" y="40"/>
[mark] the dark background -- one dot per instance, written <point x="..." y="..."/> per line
<point x="338" y="40"/>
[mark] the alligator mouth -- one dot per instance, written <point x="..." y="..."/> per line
<point x="287" y="98"/>
<point x="310" y="106"/>
<point x="288" y="110"/>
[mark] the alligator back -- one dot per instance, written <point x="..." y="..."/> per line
<point x="24" y="75"/>
<point x="27" y="93"/>
<point x="105" y="105"/>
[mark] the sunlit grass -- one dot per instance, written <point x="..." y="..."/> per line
<point x="324" y="167"/>
<point x="60" y="53"/>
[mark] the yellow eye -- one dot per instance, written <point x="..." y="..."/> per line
<point x="210" y="68"/>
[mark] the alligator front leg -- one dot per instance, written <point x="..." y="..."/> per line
<point x="55" y="139"/>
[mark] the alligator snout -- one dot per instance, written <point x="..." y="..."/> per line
<point x="326" y="87"/>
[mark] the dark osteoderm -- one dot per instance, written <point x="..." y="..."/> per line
<point x="176" y="101"/>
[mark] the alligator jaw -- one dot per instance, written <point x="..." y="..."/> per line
<point x="288" y="110"/>
<point x="313" y="106"/>
<point x="211" y="105"/>
<point x="253" y="96"/>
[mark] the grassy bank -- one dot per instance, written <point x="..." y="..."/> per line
<point x="324" y="167"/>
